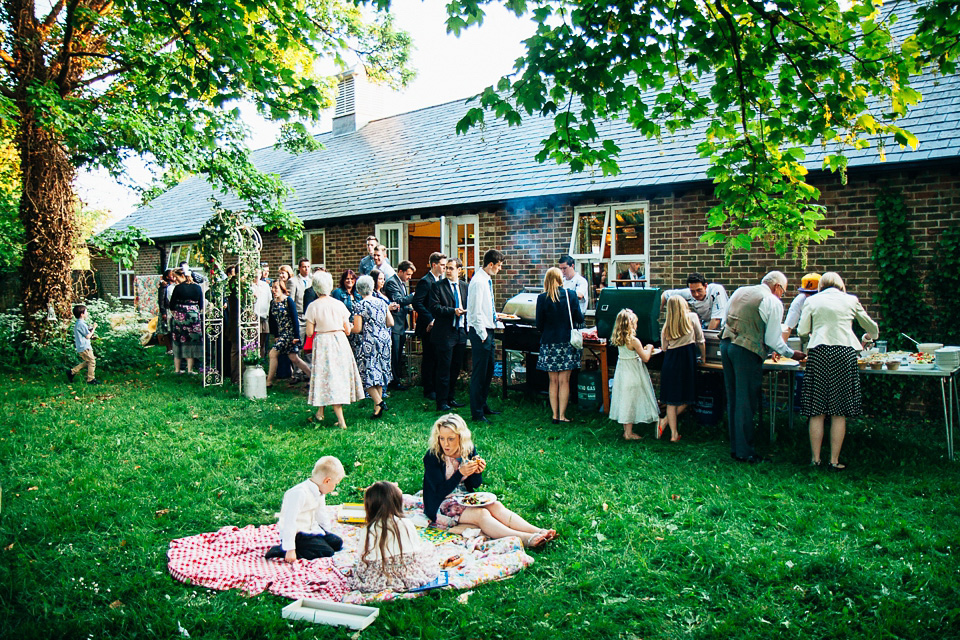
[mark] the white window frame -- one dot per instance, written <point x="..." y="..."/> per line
<point x="452" y="248"/>
<point x="307" y="251"/>
<point x="609" y="229"/>
<point x="175" y="248"/>
<point x="395" y="254"/>
<point x="126" y="276"/>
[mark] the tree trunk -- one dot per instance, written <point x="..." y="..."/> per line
<point x="47" y="214"/>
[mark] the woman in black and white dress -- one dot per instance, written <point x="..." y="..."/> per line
<point x="831" y="383"/>
<point x="557" y="313"/>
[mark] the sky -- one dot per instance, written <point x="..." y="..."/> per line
<point x="448" y="68"/>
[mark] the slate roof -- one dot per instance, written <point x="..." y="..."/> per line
<point x="414" y="162"/>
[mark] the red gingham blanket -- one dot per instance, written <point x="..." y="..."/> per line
<point x="232" y="558"/>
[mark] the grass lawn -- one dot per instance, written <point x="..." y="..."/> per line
<point x="656" y="540"/>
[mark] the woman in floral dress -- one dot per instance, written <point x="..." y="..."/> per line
<point x="285" y="328"/>
<point x="372" y="350"/>
<point x="186" y="330"/>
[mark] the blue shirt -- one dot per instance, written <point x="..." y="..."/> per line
<point x="81" y="333"/>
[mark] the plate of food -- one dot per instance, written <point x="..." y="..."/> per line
<point x="507" y="316"/>
<point x="476" y="499"/>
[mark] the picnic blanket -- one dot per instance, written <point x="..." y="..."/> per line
<point x="232" y="558"/>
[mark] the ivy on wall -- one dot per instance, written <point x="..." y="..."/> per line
<point x="899" y="293"/>
<point x="942" y="280"/>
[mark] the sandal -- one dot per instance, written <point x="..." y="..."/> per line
<point x="814" y="463"/>
<point x="537" y="540"/>
<point x="836" y="466"/>
<point x="661" y="425"/>
<point x="679" y="438"/>
<point x="633" y="436"/>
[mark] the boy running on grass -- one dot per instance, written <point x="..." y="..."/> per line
<point x="304" y="523"/>
<point x="82" y="333"/>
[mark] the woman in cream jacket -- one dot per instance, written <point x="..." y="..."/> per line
<point x="831" y="384"/>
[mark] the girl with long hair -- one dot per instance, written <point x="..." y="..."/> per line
<point x="393" y="555"/>
<point x="681" y="339"/>
<point x="633" y="400"/>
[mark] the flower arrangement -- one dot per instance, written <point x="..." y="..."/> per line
<point x="250" y="354"/>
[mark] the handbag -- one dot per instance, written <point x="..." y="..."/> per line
<point x="576" y="338"/>
<point x="308" y="344"/>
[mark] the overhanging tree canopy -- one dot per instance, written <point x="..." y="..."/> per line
<point x="768" y="77"/>
<point x="87" y="83"/>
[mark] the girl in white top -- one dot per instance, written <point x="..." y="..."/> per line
<point x="633" y="400"/>
<point x="393" y="556"/>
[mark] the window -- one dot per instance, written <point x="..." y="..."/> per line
<point x="312" y="246"/>
<point x="394" y="238"/>
<point x="126" y="282"/>
<point x="609" y="240"/>
<point x="188" y="253"/>
<point x="463" y="242"/>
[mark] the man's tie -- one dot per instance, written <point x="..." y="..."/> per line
<point x="456" y="297"/>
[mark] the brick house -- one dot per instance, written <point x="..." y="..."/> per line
<point x="410" y="180"/>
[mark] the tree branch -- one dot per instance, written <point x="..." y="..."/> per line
<point x="54" y="14"/>
<point x="65" y="50"/>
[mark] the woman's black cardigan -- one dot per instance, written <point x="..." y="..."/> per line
<point x="436" y="487"/>
<point x="291" y="313"/>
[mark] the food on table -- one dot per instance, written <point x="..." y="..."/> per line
<point x="923" y="358"/>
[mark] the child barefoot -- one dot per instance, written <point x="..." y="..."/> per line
<point x="451" y="468"/>
<point x="633" y="399"/>
<point x="680" y="337"/>
<point x="304" y="523"/>
<point x="393" y="556"/>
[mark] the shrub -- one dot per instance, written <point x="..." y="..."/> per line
<point x="116" y="349"/>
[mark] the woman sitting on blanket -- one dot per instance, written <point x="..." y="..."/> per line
<point x="393" y="555"/>
<point x="451" y="468"/>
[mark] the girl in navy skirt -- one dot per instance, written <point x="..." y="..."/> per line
<point x="681" y="337"/>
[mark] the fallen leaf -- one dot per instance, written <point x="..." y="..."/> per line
<point x="357" y="463"/>
<point x="116" y="604"/>
<point x="674" y="496"/>
<point x="463" y="597"/>
<point x="196" y="416"/>
<point x="659" y="538"/>
<point x="123" y="543"/>
<point x="161" y="512"/>
<point x="601" y="537"/>
<point x="33" y="489"/>
<point x="9" y="547"/>
<point x="605" y="507"/>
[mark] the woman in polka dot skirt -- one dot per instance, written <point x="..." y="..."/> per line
<point x="831" y="384"/>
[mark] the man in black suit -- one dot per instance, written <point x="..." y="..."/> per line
<point x="395" y="289"/>
<point x="421" y="300"/>
<point x="448" y="304"/>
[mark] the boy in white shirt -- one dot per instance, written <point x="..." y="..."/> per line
<point x="304" y="522"/>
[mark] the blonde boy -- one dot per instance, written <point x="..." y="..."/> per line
<point x="304" y="523"/>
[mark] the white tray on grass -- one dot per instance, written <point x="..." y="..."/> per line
<point x="337" y="614"/>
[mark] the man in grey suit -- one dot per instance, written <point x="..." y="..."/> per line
<point x="400" y="298"/>
<point x="299" y="283"/>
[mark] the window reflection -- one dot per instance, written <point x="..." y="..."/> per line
<point x="590" y="234"/>
<point x="629" y="230"/>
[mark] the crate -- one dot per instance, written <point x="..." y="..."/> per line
<point x="332" y="613"/>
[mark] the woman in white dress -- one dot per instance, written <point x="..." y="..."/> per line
<point x="335" y="380"/>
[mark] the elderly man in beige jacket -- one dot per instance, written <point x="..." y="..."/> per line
<point x="831" y="383"/>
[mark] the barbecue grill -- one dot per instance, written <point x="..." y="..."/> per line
<point x="522" y="335"/>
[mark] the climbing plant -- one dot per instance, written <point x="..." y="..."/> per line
<point x="942" y="279"/>
<point x="899" y="293"/>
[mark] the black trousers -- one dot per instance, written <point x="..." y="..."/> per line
<point x="397" y="361"/>
<point x="428" y="365"/>
<point x="449" y="362"/>
<point x="743" y="377"/>
<point x="311" y="546"/>
<point x="484" y="355"/>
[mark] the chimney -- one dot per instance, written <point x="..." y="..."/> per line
<point x="358" y="102"/>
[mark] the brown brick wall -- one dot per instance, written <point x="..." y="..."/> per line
<point x="533" y="236"/>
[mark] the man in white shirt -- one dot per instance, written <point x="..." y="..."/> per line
<point x="809" y="285"/>
<point x="632" y="277"/>
<point x="261" y="305"/>
<point x="381" y="263"/>
<point x="574" y="281"/>
<point x="709" y="301"/>
<point x="299" y="284"/>
<point x="482" y="320"/>
<point x="752" y="327"/>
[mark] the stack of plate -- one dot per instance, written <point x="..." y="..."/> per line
<point x="948" y="358"/>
